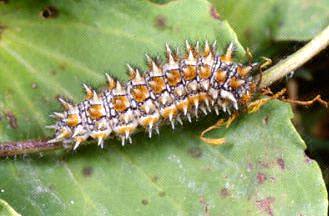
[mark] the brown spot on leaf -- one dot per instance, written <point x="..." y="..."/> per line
<point x="162" y="194"/>
<point x="265" y="120"/>
<point x="11" y="119"/>
<point x="272" y="178"/>
<point x="87" y="171"/>
<point x="4" y="1"/>
<point x="307" y="159"/>
<point x="214" y="13"/>
<point x="51" y="187"/>
<point x="281" y="163"/>
<point x="145" y="202"/>
<point x="2" y="29"/>
<point x="224" y="192"/>
<point x="250" y="167"/>
<point x="261" y="178"/>
<point x="264" y="164"/>
<point x="160" y="22"/>
<point x="49" y="12"/>
<point x="154" y="178"/>
<point x="53" y="72"/>
<point x="34" y="85"/>
<point x="204" y="204"/>
<point x="62" y="65"/>
<point x="265" y="205"/>
<point x="248" y="33"/>
<point x="195" y="152"/>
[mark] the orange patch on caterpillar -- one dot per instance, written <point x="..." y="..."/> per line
<point x="122" y="130"/>
<point x="73" y="120"/>
<point x="96" y="111"/>
<point x="111" y="83"/>
<point x="80" y="139"/>
<point x="173" y="77"/>
<point x="205" y="72"/>
<point x="226" y="58"/>
<point x="99" y="135"/>
<point x="149" y="120"/>
<point x="189" y="72"/>
<point x="183" y="105"/>
<point x="204" y="97"/>
<point x="236" y="83"/>
<point x="243" y="71"/>
<point x="158" y="84"/>
<point x="89" y="93"/>
<point x="194" y="99"/>
<point x="120" y="103"/>
<point x="140" y="93"/>
<point x="245" y="98"/>
<point x="220" y="76"/>
<point x="169" y="111"/>
<point x="65" y="133"/>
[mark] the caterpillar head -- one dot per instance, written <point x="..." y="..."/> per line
<point x="65" y="121"/>
<point x="68" y="127"/>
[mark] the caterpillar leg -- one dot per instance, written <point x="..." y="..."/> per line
<point x="257" y="104"/>
<point x="231" y="119"/>
<point x="218" y="124"/>
<point x="267" y="62"/>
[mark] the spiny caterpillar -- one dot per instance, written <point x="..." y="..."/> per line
<point x="181" y="88"/>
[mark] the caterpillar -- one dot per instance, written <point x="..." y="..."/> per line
<point x="181" y="88"/>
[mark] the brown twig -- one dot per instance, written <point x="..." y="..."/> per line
<point x="309" y="102"/>
<point x="268" y="92"/>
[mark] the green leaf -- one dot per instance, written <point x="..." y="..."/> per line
<point x="258" y="22"/>
<point x="253" y="21"/>
<point x="302" y="19"/>
<point x="262" y="170"/>
<point x="6" y="209"/>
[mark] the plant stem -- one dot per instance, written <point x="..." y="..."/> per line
<point x="297" y="59"/>
<point x="278" y="71"/>
<point x="27" y="147"/>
